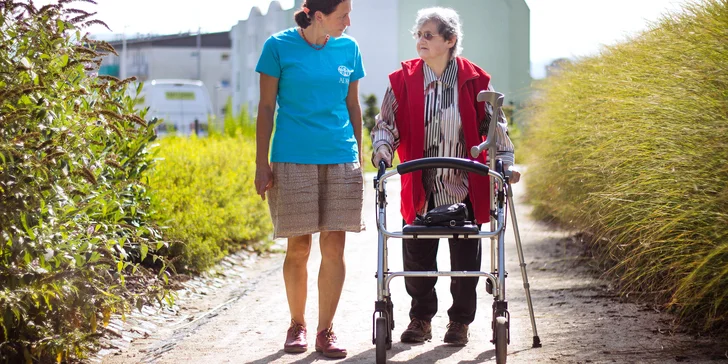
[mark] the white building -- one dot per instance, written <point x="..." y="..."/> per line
<point x="374" y="25"/>
<point x="495" y="37"/>
<point x="247" y="39"/>
<point x="176" y="57"/>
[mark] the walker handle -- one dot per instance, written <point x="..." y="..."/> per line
<point x="443" y="162"/>
<point x="382" y="169"/>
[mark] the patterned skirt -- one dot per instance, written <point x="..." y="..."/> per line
<point x="310" y="198"/>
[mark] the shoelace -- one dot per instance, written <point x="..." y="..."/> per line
<point x="297" y="328"/>
<point x="455" y="325"/>
<point x="416" y="324"/>
<point x="329" y="335"/>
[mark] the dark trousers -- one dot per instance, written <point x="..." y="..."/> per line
<point x="421" y="255"/>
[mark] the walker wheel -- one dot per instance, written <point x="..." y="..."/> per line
<point x="501" y="340"/>
<point x="381" y="339"/>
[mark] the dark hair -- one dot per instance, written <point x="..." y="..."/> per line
<point x="325" y="6"/>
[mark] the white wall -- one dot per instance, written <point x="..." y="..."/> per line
<point x="374" y="26"/>
<point x="248" y="37"/>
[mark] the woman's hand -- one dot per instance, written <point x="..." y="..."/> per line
<point x="263" y="179"/>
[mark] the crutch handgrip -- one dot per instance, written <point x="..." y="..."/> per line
<point x="492" y="97"/>
<point x="495" y="99"/>
<point x="476" y="150"/>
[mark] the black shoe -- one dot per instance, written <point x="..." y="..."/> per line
<point x="417" y="331"/>
<point x="457" y="334"/>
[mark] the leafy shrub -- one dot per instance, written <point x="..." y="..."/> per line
<point x="74" y="211"/>
<point x="205" y="194"/>
<point x="630" y="145"/>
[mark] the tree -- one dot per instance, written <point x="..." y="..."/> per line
<point x="371" y="111"/>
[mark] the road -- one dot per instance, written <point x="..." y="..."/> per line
<point x="241" y="314"/>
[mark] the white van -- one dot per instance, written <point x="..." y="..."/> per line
<point x="180" y="104"/>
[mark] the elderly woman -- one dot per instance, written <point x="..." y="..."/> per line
<point x="430" y="110"/>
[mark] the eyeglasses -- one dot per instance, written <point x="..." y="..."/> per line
<point x="427" y="35"/>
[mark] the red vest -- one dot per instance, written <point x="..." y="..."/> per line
<point x="408" y="85"/>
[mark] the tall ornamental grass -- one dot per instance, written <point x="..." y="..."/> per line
<point x="631" y="145"/>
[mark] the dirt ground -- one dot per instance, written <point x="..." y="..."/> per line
<point x="240" y="315"/>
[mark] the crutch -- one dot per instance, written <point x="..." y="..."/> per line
<point x="496" y="101"/>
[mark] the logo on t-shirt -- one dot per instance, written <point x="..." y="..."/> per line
<point x="346" y="72"/>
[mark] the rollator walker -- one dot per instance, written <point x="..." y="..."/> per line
<point x="501" y="202"/>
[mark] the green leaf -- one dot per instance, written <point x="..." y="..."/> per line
<point x="94" y="257"/>
<point x="93" y="322"/>
<point x="28" y="230"/>
<point x="64" y="60"/>
<point x="26" y="355"/>
<point x="80" y="261"/>
<point x="5" y="329"/>
<point x="16" y="311"/>
<point x="144" y="249"/>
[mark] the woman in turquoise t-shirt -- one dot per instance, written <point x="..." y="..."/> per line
<point x="314" y="178"/>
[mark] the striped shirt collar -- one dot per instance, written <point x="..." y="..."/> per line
<point x="449" y="77"/>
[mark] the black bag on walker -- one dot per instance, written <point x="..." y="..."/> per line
<point x="444" y="215"/>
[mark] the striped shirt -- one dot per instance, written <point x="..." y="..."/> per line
<point x="443" y="134"/>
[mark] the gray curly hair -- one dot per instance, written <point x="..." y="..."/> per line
<point x="448" y="25"/>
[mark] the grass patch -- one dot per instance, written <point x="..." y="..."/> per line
<point x="630" y="145"/>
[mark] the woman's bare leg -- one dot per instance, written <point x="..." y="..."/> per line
<point x="331" y="276"/>
<point x="295" y="276"/>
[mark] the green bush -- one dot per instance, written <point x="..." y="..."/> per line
<point x="206" y="197"/>
<point x="74" y="208"/>
<point x="630" y="145"/>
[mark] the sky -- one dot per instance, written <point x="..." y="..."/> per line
<point x="559" y="28"/>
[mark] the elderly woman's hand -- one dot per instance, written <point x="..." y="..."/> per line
<point x="515" y="174"/>
<point x="382" y="154"/>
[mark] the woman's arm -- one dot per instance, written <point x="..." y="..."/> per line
<point x="352" y="103"/>
<point x="385" y="133"/>
<point x="264" y="129"/>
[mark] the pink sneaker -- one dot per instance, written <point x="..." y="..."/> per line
<point x="296" y="339"/>
<point x="326" y="344"/>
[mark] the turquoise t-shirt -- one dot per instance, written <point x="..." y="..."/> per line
<point x="313" y="125"/>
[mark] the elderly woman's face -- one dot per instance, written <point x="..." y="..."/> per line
<point x="432" y="45"/>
